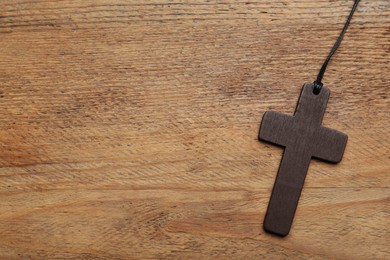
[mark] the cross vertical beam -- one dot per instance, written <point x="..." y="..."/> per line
<point x="286" y="192"/>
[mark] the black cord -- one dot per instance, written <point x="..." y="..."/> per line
<point x="318" y="82"/>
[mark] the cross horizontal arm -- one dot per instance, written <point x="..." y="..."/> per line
<point x="329" y="144"/>
<point x="275" y="128"/>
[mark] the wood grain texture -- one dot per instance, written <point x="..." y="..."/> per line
<point x="129" y="128"/>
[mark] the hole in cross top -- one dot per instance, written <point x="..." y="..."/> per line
<point x="317" y="88"/>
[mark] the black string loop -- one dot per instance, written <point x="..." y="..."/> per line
<point x="318" y="82"/>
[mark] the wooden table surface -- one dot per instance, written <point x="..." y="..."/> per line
<point x="129" y="128"/>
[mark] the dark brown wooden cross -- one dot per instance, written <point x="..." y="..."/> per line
<point x="303" y="138"/>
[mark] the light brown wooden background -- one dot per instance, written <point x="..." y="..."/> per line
<point x="129" y="128"/>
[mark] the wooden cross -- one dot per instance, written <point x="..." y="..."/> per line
<point x="303" y="138"/>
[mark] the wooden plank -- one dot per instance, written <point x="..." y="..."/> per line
<point x="130" y="129"/>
